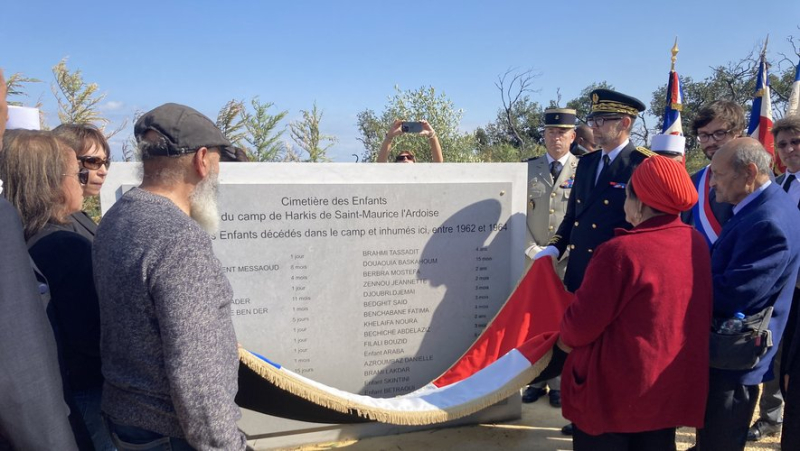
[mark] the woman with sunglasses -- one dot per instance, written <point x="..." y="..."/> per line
<point x="45" y="183"/>
<point x="94" y="155"/>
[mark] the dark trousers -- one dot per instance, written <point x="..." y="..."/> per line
<point x="660" y="440"/>
<point x="790" y="434"/>
<point x="771" y="403"/>
<point x="729" y="410"/>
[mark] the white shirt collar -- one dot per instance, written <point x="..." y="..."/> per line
<point x="751" y="197"/>
<point x="562" y="160"/>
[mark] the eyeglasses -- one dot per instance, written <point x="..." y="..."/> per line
<point x="83" y="176"/>
<point x="404" y="157"/>
<point x="94" y="163"/>
<point x="795" y="143"/>
<point x="600" y="121"/>
<point x="717" y="135"/>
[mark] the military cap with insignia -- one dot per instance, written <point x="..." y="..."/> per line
<point x="560" y="117"/>
<point x="606" y="101"/>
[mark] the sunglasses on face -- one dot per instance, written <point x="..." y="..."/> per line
<point x="94" y="163"/>
<point x="83" y="176"/>
<point x="404" y="158"/>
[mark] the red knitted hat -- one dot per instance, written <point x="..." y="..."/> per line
<point x="664" y="184"/>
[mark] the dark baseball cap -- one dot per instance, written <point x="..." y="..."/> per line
<point x="185" y="129"/>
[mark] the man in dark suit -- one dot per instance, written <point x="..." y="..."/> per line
<point x="754" y="265"/>
<point x="714" y="126"/>
<point x="33" y="414"/>
<point x="787" y="144"/>
<point x="595" y="205"/>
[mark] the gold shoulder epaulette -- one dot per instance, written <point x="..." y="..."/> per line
<point x="645" y="151"/>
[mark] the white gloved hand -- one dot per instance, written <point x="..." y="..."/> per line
<point x="533" y="250"/>
<point x="549" y="251"/>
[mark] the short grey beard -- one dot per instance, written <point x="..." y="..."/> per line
<point x="203" y="203"/>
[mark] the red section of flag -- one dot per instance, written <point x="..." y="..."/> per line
<point x="531" y="316"/>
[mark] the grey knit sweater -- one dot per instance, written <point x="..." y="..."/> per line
<point x="168" y="347"/>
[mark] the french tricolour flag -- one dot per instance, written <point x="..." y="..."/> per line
<point x="761" y="115"/>
<point x="672" y="112"/>
<point x="513" y="349"/>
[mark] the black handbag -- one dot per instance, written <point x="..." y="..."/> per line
<point x="743" y="350"/>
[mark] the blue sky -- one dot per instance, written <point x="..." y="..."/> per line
<point x="348" y="55"/>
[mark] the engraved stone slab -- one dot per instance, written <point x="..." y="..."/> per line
<point x="369" y="278"/>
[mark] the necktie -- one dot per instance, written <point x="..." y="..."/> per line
<point x="606" y="164"/>
<point x="788" y="183"/>
<point x="555" y="169"/>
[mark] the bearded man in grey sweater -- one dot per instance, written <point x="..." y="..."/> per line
<point x="168" y="347"/>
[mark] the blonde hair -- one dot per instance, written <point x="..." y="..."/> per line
<point x="32" y="165"/>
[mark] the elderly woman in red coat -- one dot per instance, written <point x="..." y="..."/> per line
<point x="639" y="324"/>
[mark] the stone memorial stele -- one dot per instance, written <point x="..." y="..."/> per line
<point x="371" y="278"/>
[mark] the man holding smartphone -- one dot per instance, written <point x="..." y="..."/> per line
<point x="422" y="128"/>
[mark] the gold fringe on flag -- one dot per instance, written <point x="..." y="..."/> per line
<point x="298" y="387"/>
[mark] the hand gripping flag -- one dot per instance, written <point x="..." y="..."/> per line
<point x="793" y="108"/>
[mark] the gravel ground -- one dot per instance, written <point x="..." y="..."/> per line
<point x="539" y="429"/>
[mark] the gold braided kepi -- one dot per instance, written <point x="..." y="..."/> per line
<point x="606" y="101"/>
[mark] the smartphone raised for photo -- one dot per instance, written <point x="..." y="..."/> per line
<point x="411" y="127"/>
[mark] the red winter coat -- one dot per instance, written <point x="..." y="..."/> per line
<point x="639" y="326"/>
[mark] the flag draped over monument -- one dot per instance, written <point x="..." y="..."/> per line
<point x="674" y="105"/>
<point x="515" y="348"/>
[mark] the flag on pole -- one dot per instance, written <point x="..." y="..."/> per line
<point x="672" y="111"/>
<point x="761" y="114"/>
<point x="794" y="99"/>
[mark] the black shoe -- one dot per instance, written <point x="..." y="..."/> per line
<point x="762" y="429"/>
<point x="555" y="398"/>
<point x="532" y="394"/>
<point x="567" y="430"/>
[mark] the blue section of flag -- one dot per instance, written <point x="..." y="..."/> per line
<point x="761" y="82"/>
<point x="797" y="72"/>
<point x="266" y="360"/>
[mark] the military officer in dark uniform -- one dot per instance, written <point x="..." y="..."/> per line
<point x="550" y="179"/>
<point x="595" y="205"/>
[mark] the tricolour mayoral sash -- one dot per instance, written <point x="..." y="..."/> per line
<point x="704" y="220"/>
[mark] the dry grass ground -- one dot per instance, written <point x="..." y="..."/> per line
<point x="539" y="429"/>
